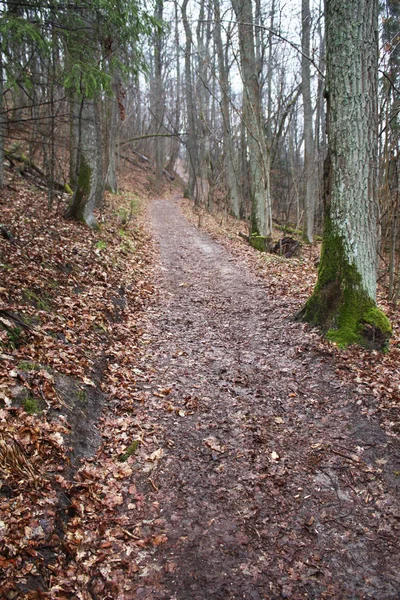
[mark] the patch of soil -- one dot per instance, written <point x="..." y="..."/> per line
<point x="267" y="481"/>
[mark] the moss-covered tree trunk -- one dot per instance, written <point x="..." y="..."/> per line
<point x="344" y="299"/>
<point x="89" y="185"/>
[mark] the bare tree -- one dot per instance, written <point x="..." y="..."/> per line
<point x="309" y="152"/>
<point x="259" y="159"/>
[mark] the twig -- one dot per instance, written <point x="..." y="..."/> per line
<point x="153" y="484"/>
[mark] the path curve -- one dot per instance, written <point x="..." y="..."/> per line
<point x="268" y="482"/>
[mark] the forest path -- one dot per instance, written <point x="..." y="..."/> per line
<point x="266" y="483"/>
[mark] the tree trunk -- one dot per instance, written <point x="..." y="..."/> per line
<point x="191" y="135"/>
<point x="158" y="97"/>
<point x="344" y="299"/>
<point x="309" y="155"/>
<point x="229" y="158"/>
<point x="113" y="116"/>
<point x="174" y="141"/>
<point x="320" y="125"/>
<point x="88" y="191"/>
<point x="261" y="221"/>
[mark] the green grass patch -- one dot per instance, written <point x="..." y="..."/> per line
<point x="39" y="301"/>
<point x="101" y="245"/>
<point x="27" y="365"/>
<point x="129" y="451"/>
<point x="14" y="335"/>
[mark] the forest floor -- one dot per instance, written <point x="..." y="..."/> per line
<point x="168" y="431"/>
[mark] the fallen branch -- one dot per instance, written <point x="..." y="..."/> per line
<point x="146" y="160"/>
<point x="21" y="158"/>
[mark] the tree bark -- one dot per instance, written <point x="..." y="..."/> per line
<point x="158" y="96"/>
<point x="229" y="156"/>
<point x="344" y="299"/>
<point x="259" y="159"/>
<point x="309" y="153"/>
<point x="88" y="192"/>
<point x="113" y="115"/>
<point x="191" y="129"/>
<point x="175" y="142"/>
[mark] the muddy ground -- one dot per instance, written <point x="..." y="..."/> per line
<point x="268" y="482"/>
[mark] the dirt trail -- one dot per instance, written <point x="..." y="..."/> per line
<point x="271" y="484"/>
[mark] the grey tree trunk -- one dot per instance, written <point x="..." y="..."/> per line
<point x="344" y="299"/>
<point x="191" y="128"/>
<point x="259" y="159"/>
<point x="229" y="155"/>
<point x="113" y="117"/>
<point x="320" y="123"/>
<point x="309" y="152"/>
<point x="269" y="76"/>
<point x="174" y="142"/>
<point x="158" y="99"/>
<point x="75" y="109"/>
<point x="88" y="192"/>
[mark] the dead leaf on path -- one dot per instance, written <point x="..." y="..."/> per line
<point x="274" y="455"/>
<point x="88" y="381"/>
<point x="165" y="391"/>
<point x="212" y="443"/>
<point x="279" y="420"/>
<point x="158" y="540"/>
<point x="156" y="455"/>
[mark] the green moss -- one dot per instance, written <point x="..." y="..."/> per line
<point x="14" y="335"/>
<point x="26" y="365"/>
<point x="374" y="316"/>
<point x="31" y="406"/>
<point x="339" y="304"/>
<point x="39" y="301"/>
<point x="260" y="242"/>
<point x="289" y="229"/>
<point x="84" y="176"/>
<point x="129" y="451"/>
<point x="6" y="267"/>
<point x="76" y="208"/>
<point x="82" y="396"/>
<point x="101" y="245"/>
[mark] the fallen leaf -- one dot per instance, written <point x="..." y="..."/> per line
<point x="212" y="443"/>
<point x="156" y="455"/>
